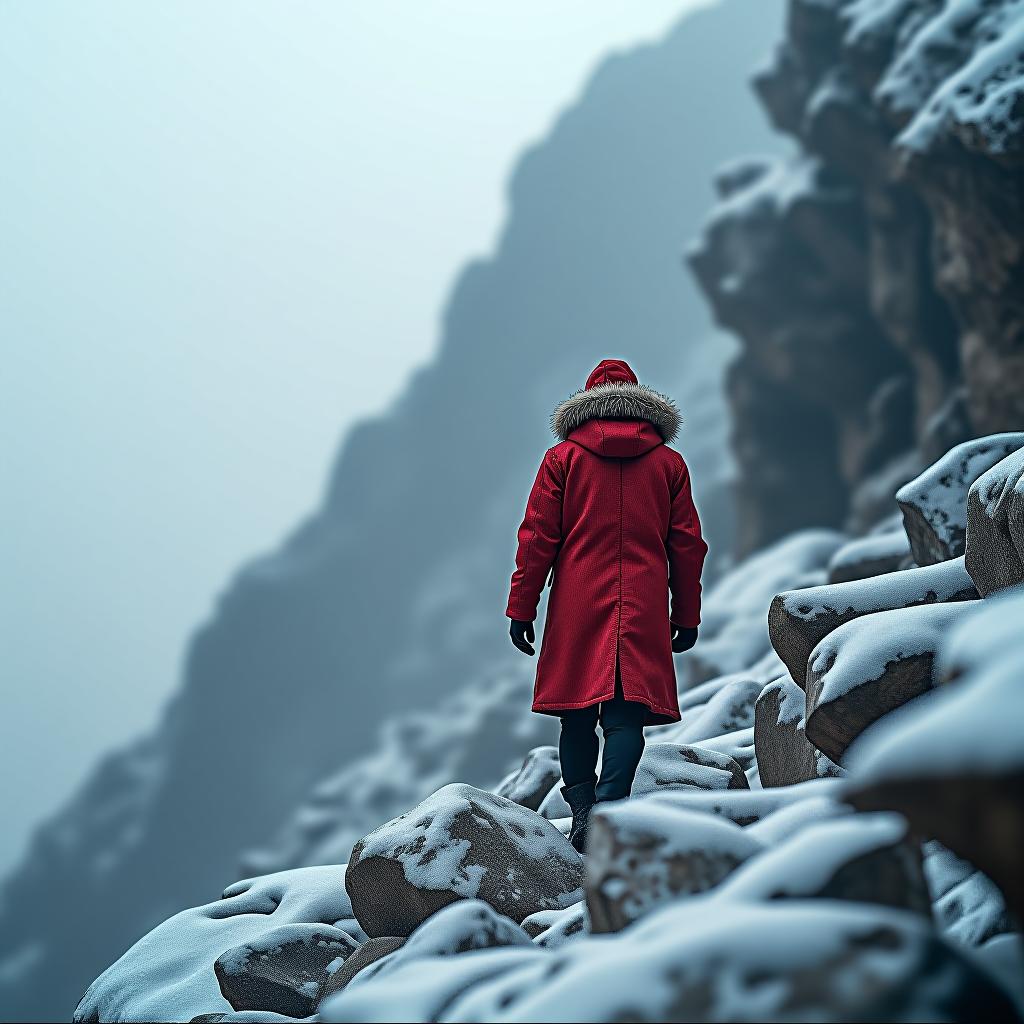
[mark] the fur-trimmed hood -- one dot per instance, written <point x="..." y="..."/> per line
<point x="617" y="399"/>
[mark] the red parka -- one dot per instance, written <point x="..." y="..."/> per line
<point x="611" y="513"/>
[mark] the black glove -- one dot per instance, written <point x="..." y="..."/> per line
<point x="522" y="635"/>
<point x="683" y="638"/>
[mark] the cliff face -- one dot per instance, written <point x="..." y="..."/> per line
<point x="392" y="593"/>
<point x="876" y="277"/>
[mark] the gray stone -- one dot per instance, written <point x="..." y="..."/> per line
<point x="799" y="620"/>
<point x="284" y="970"/>
<point x="784" y="754"/>
<point x="995" y="526"/>
<point x="934" y="505"/>
<point x="669" y="765"/>
<point x="871" y="666"/>
<point x="460" y="843"/>
<point x="529" y="784"/>
<point x="642" y="853"/>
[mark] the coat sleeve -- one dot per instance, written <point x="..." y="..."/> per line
<point x="539" y="538"/>
<point x="686" y="551"/>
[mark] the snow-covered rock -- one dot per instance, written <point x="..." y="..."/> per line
<point x="460" y="843"/>
<point x="859" y="857"/>
<point x="368" y="954"/>
<point x="553" y="806"/>
<point x="642" y="853"/>
<point x="869" y="556"/>
<point x="730" y="708"/>
<point x="738" y="745"/>
<point x="746" y="806"/>
<point x="169" y="973"/>
<point x="800" y="619"/>
<point x="784" y="754"/>
<point x="953" y="762"/>
<point x="968" y="906"/>
<point x="995" y="526"/>
<point x="284" y="969"/>
<point x="562" y="926"/>
<point x="665" y="765"/>
<point x="733" y="634"/>
<point x="529" y="784"/>
<point x="782" y="824"/>
<point x="934" y="505"/>
<point x="871" y="666"/>
<point x="783" y="960"/>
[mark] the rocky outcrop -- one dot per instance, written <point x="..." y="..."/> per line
<point x="875" y="278"/>
<point x="313" y="644"/>
<point x="995" y="526"/>
<point x="531" y="782"/>
<point x="934" y="505"/>
<point x="460" y="843"/>
<point x="799" y="620"/>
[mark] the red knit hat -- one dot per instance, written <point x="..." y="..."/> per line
<point x="611" y="371"/>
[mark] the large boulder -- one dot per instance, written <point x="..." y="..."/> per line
<point x="859" y="857"/>
<point x="953" y="763"/>
<point x="803" y="960"/>
<point x="169" y="973"/>
<point x="531" y="782"/>
<point x="460" y="843"/>
<point x="285" y="970"/>
<point x="641" y="853"/>
<point x="800" y="619"/>
<point x="784" y="754"/>
<point x="871" y="666"/>
<point x="934" y="505"/>
<point x="995" y="526"/>
<point x="668" y="765"/>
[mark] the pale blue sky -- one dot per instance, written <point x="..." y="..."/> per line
<point x="227" y="231"/>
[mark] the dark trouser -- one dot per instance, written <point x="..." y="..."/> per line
<point x="622" y="722"/>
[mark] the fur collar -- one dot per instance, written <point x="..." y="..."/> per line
<point x="617" y="400"/>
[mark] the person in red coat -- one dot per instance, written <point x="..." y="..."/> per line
<point x="611" y="525"/>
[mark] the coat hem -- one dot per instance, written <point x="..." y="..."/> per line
<point x="665" y="716"/>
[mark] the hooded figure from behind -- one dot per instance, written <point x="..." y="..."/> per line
<point x="611" y="520"/>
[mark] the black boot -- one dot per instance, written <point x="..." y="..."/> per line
<point x="580" y="799"/>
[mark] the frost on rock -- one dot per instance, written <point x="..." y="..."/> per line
<point x="995" y="526"/>
<point x="733" y="634"/>
<point x="286" y="968"/>
<point x="531" y="782"/>
<point x="859" y="857"/>
<point x="784" y="754"/>
<point x="641" y="853"/>
<point x="871" y="666"/>
<point x="958" y="73"/>
<point x="738" y="745"/>
<point x="869" y="556"/>
<point x="666" y="765"/>
<point x="169" y="973"/>
<point x="934" y="505"/>
<point x="783" y="960"/>
<point x="800" y="619"/>
<point x="953" y="762"/>
<point x="460" y="843"/>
